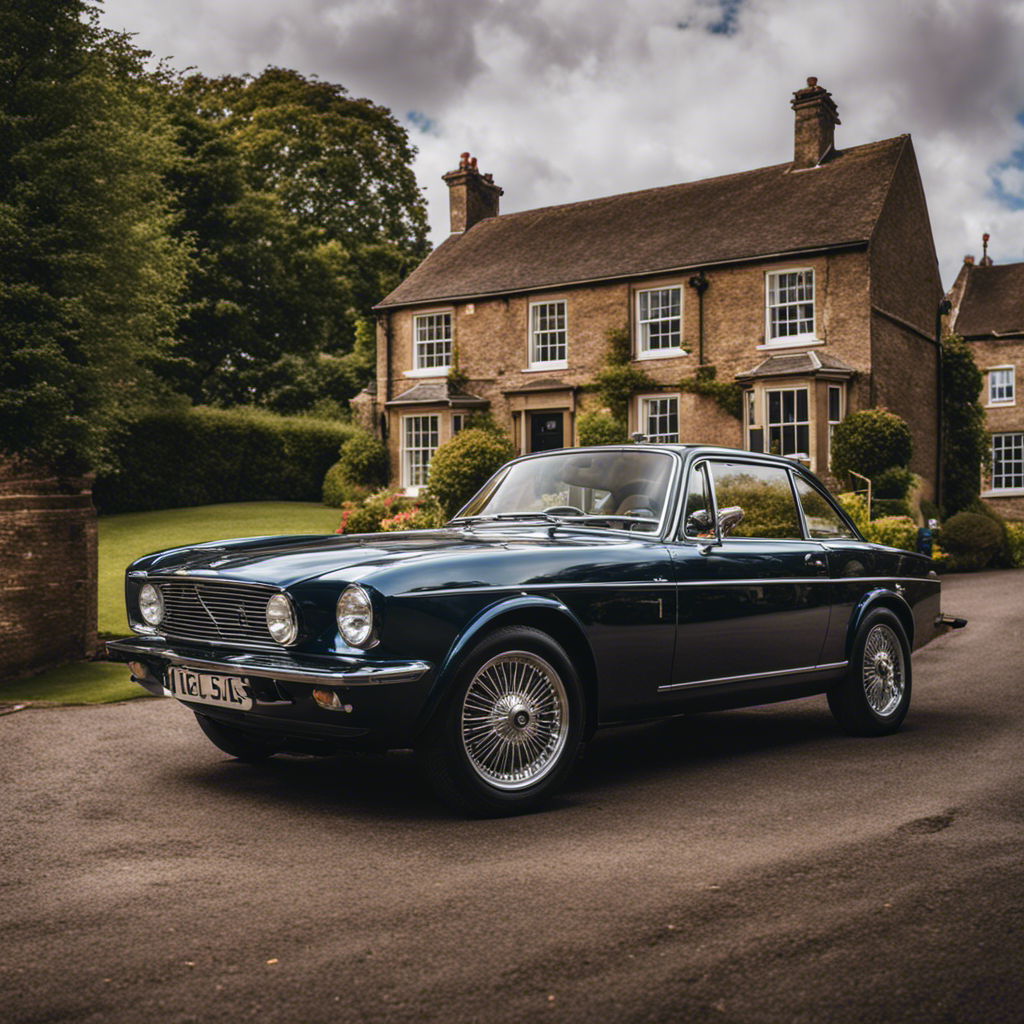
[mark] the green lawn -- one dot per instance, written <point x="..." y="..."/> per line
<point x="122" y="539"/>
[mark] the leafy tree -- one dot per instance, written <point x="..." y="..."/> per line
<point x="305" y="211"/>
<point x="89" y="272"/>
<point x="463" y="464"/>
<point x="869" y="442"/>
<point x="965" y="440"/>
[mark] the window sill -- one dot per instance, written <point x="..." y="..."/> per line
<point x="562" y="364"/>
<point x="1005" y="492"/>
<point x="803" y="342"/>
<point x="1002" y="405"/>
<point x="432" y="371"/>
<point x="663" y="353"/>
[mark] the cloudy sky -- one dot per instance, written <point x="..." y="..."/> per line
<point x="571" y="99"/>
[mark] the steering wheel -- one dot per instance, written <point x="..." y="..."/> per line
<point x="564" y="510"/>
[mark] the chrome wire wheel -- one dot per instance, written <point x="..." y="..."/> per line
<point x="515" y="720"/>
<point x="883" y="672"/>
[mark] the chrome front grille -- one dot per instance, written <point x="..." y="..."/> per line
<point x="217" y="611"/>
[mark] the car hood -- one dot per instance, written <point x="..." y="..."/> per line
<point x="445" y="555"/>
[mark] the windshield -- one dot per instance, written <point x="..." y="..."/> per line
<point x="620" y="486"/>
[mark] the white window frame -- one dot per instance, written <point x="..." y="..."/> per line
<point x="1011" y="385"/>
<point x="806" y="337"/>
<point x="419" y="356"/>
<point x="416" y="471"/>
<point x="534" y="327"/>
<point x="782" y="424"/>
<point x="643" y="324"/>
<point x="644" y="412"/>
<point x="1016" y="446"/>
<point x="832" y="424"/>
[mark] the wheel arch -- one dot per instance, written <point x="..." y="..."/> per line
<point x="545" y="614"/>
<point x="890" y="601"/>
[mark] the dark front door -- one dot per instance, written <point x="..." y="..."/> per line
<point x="545" y="431"/>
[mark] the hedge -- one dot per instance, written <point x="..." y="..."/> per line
<point x="204" y="456"/>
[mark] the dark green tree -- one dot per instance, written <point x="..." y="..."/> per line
<point x="964" y="438"/>
<point x="305" y="212"/>
<point x="89" y="270"/>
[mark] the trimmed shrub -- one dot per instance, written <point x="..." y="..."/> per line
<point x="869" y="442"/>
<point x="364" y="460"/>
<point x="337" y="490"/>
<point x="887" y="507"/>
<point x="1015" y="536"/>
<point x="895" y="531"/>
<point x="972" y="541"/>
<point x="461" y="466"/>
<point x="600" y="428"/>
<point x="893" y="483"/>
<point x="1004" y="557"/>
<point x="856" y="507"/>
<point x="204" y="456"/>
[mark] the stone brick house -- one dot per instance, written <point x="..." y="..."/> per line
<point x="812" y="283"/>
<point x="987" y="309"/>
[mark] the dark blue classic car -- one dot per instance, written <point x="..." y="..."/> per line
<point x="579" y="588"/>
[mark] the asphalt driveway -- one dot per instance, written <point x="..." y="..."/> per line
<point x="748" y="866"/>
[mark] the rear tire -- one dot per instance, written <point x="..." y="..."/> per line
<point x="236" y="742"/>
<point x="508" y="732"/>
<point x="874" y="697"/>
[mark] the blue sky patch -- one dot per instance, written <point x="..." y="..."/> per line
<point x="1012" y="199"/>
<point x="427" y="125"/>
<point x="728" y="23"/>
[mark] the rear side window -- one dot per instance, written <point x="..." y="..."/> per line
<point x="823" y="521"/>
<point x="765" y="495"/>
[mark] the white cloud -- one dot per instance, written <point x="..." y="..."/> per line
<point x="570" y="99"/>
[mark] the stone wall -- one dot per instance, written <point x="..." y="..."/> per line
<point x="48" y="559"/>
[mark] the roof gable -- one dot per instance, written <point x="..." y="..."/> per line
<point x="993" y="301"/>
<point x="767" y="211"/>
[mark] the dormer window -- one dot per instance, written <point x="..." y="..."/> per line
<point x="432" y="333"/>
<point x="789" y="307"/>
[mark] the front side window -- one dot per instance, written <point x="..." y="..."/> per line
<point x="697" y="513"/>
<point x="419" y="441"/>
<point x="659" y="318"/>
<point x="659" y="419"/>
<point x="547" y="334"/>
<point x="433" y="333"/>
<point x="765" y="495"/>
<point x="1000" y="386"/>
<point x="789" y="430"/>
<point x="790" y="305"/>
<point x="1007" y="461"/>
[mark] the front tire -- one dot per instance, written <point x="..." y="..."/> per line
<point x="236" y="742"/>
<point x="508" y="733"/>
<point x="874" y="697"/>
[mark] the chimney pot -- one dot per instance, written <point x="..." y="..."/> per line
<point x="969" y="260"/>
<point x="812" y="82"/>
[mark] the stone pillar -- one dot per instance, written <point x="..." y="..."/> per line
<point x="48" y="570"/>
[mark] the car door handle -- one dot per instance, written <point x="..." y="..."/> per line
<point x="814" y="561"/>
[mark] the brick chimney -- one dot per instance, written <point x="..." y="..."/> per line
<point x="472" y="196"/>
<point x="816" y="120"/>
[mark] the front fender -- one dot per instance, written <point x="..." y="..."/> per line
<point x="522" y="607"/>
<point x="880" y="598"/>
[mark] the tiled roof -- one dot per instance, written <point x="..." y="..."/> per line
<point x="993" y="301"/>
<point x="771" y="210"/>
<point x="438" y="393"/>
<point x="799" y="364"/>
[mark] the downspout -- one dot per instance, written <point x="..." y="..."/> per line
<point x="699" y="283"/>
<point x="387" y="377"/>
<point x="942" y="310"/>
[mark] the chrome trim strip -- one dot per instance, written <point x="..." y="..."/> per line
<point x="365" y="675"/>
<point x="756" y="675"/>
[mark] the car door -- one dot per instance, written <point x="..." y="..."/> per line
<point x="752" y="602"/>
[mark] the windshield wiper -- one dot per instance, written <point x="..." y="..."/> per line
<point x="505" y="517"/>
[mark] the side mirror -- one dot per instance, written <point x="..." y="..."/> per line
<point x="729" y="519"/>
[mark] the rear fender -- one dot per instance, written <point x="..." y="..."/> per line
<point x="880" y="598"/>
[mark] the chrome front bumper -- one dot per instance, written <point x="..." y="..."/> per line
<point x="318" y="671"/>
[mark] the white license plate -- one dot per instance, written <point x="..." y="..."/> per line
<point x="206" y="688"/>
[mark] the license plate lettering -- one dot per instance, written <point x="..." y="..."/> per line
<point x="207" y="688"/>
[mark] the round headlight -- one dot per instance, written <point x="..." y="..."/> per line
<point x="151" y="604"/>
<point x="282" y="620"/>
<point x="355" y="617"/>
